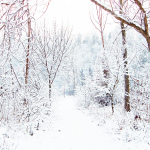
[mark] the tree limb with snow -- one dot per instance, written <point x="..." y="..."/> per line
<point x="141" y="24"/>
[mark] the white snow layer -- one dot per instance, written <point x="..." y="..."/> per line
<point x="72" y="129"/>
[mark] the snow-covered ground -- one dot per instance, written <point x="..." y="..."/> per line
<point x="75" y="129"/>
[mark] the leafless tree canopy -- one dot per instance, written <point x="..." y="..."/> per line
<point x="52" y="46"/>
<point x="135" y="14"/>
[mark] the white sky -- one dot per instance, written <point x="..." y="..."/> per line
<point x="75" y="13"/>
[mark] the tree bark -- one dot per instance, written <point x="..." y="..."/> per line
<point x="126" y="76"/>
<point x="148" y="41"/>
<point x="28" y="48"/>
<point x="50" y="87"/>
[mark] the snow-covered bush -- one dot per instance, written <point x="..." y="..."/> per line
<point x="140" y="94"/>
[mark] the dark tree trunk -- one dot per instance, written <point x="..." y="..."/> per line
<point x="50" y="87"/>
<point x="126" y="76"/>
<point x="28" y="48"/>
<point x="148" y="41"/>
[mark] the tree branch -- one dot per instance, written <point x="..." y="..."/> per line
<point x="145" y="16"/>
<point x="144" y="32"/>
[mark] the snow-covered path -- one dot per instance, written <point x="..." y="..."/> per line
<point x="71" y="130"/>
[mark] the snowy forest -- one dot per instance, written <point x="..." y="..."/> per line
<point x="61" y="90"/>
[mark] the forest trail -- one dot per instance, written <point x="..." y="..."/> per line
<point x="71" y="130"/>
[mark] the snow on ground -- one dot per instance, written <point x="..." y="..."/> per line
<point x="74" y="129"/>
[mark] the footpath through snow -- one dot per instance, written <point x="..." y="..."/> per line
<point x="71" y="130"/>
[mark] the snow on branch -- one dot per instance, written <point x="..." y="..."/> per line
<point x="145" y="16"/>
<point x="119" y="17"/>
<point x="124" y="19"/>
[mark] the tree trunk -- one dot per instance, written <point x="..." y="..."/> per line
<point x="126" y="76"/>
<point x="27" y="53"/>
<point x="148" y="42"/>
<point x="50" y="87"/>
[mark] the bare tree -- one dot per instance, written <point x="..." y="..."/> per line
<point x="52" y="46"/>
<point x="15" y="46"/>
<point x="122" y="6"/>
<point x="99" y="21"/>
<point x="15" y="16"/>
<point x="29" y="40"/>
<point x="29" y="32"/>
<point x="135" y="14"/>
